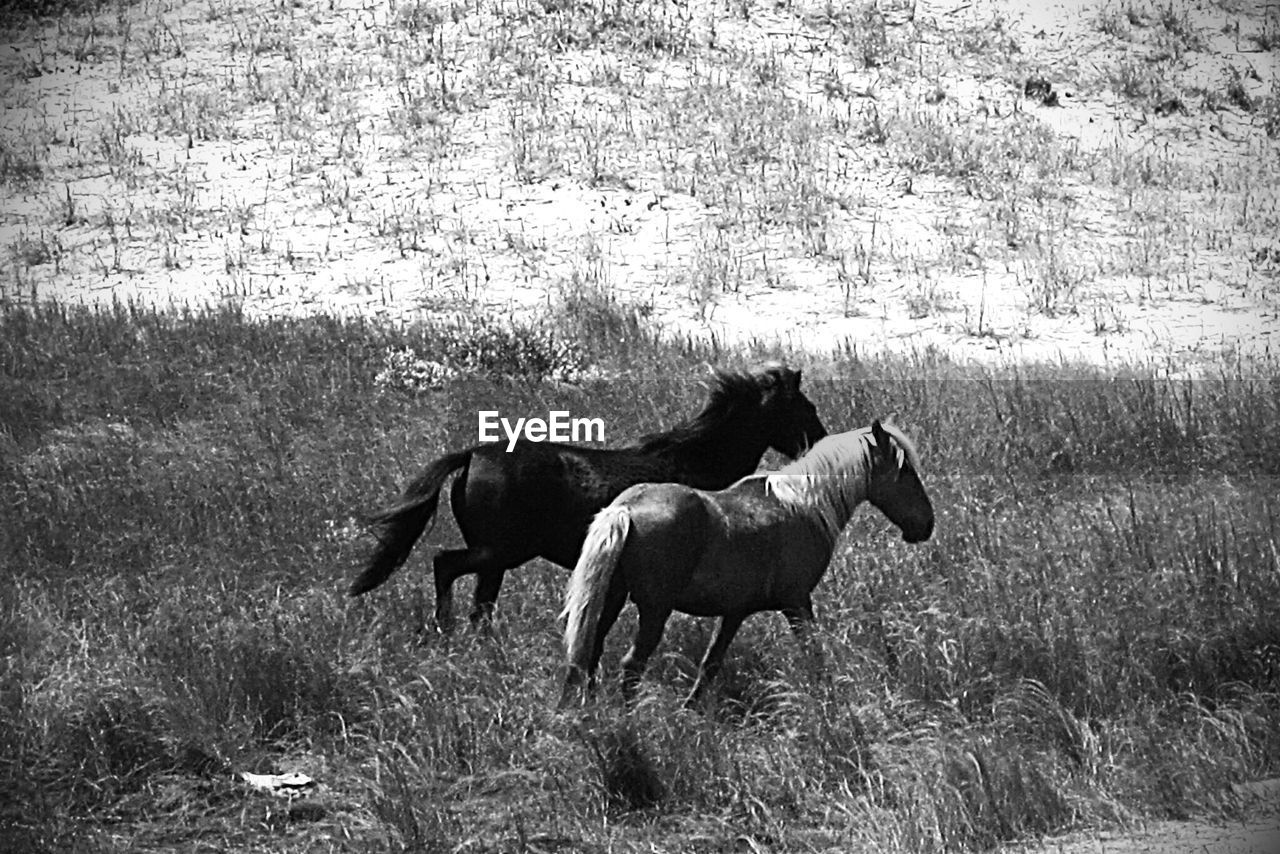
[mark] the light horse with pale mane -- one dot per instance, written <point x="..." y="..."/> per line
<point x="759" y="545"/>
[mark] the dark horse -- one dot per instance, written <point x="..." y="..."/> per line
<point x="763" y="544"/>
<point x="538" y="500"/>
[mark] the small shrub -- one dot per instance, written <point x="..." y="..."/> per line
<point x="1237" y="94"/>
<point x="404" y="370"/>
<point x="486" y="347"/>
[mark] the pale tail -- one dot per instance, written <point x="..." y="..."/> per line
<point x="584" y="598"/>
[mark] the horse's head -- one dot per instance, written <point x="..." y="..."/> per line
<point x="894" y="487"/>
<point x="793" y="422"/>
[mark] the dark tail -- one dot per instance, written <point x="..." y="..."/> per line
<point x="399" y="527"/>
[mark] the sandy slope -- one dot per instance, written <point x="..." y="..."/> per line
<point x="205" y="152"/>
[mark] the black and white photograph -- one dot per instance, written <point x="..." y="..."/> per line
<point x="640" y="426"/>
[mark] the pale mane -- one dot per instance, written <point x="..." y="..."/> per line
<point x="832" y="477"/>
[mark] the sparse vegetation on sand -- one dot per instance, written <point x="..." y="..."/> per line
<point x="1092" y="636"/>
<point x="943" y="173"/>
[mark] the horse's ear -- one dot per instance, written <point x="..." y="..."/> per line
<point x="785" y="377"/>
<point x="713" y="376"/>
<point x="880" y="435"/>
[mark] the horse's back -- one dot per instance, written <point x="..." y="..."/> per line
<point x="505" y="496"/>
<point x="662" y="504"/>
<point x="738" y="550"/>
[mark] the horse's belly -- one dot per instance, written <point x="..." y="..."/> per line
<point x="753" y="577"/>
<point x="718" y="607"/>
<point x="726" y="588"/>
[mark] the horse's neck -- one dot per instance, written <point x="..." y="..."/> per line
<point x="826" y="499"/>
<point x="724" y="454"/>
<point x="835" y="502"/>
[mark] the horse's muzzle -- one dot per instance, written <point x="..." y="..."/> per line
<point x="919" y="536"/>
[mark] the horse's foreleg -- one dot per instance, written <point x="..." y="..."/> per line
<point x="715" y="656"/>
<point x="648" y="636"/>
<point x="803" y="625"/>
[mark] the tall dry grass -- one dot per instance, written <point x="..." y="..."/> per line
<point x="1090" y="636"/>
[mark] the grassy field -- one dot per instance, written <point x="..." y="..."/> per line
<point x="1093" y="635"/>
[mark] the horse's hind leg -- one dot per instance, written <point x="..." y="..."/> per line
<point x="648" y="636"/>
<point x="448" y="567"/>
<point x="488" y="584"/>
<point x="445" y="568"/>
<point x="581" y="681"/>
<point x="615" y="599"/>
<point x="715" y="656"/>
<point x="802" y="624"/>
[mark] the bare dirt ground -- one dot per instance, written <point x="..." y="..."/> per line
<point x="884" y="177"/>
<point x="1258" y="835"/>
<point x="1254" y="837"/>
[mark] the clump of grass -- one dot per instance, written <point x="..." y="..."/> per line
<point x="659" y="28"/>
<point x="107" y="742"/>
<point x="975" y="793"/>
<point x="1266" y="40"/>
<point x="627" y="771"/>
<point x="272" y="674"/>
<point x="1114" y="22"/>
<point x="1140" y="81"/>
<point x="979" y="154"/>
<point x="1237" y="94"/>
<point x="194" y="112"/>
<point x="1269" y="111"/>
<point x="1175" y="22"/>
<point x="18" y="166"/>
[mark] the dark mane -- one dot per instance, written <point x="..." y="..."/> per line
<point x="731" y="393"/>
